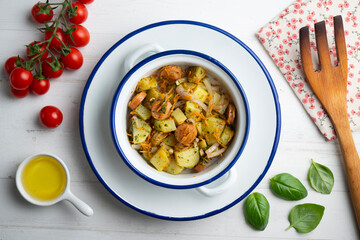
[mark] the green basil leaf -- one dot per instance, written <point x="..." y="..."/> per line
<point x="257" y="211"/>
<point x="305" y="217"/>
<point x="321" y="178"/>
<point x="288" y="187"/>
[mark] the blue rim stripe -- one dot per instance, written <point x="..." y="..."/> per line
<point x="154" y="57"/>
<point x="272" y="86"/>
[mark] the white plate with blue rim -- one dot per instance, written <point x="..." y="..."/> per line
<point x="180" y="204"/>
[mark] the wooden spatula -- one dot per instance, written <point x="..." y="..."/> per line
<point x="329" y="84"/>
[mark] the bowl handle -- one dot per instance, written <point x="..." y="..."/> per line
<point x="227" y="181"/>
<point x="140" y="54"/>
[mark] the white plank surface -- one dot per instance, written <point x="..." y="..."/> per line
<point x="22" y="135"/>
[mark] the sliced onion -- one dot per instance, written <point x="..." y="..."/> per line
<point x="170" y="149"/>
<point x="181" y="91"/>
<point x="195" y="144"/>
<point x="137" y="123"/>
<point x="153" y="149"/>
<point x="179" y="81"/>
<point x="201" y="104"/>
<point x="212" y="148"/>
<point x="217" y="153"/>
<point x="211" y="92"/>
<point x="191" y="120"/>
<point x="216" y="89"/>
<point x="179" y="103"/>
<point x="208" y="87"/>
<point x="211" y="102"/>
<point x="221" y="106"/>
<point x="136" y="146"/>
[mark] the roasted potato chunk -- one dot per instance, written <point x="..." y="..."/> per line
<point x="160" y="160"/>
<point x="165" y="126"/>
<point x="170" y="140"/>
<point x="143" y="112"/>
<point x="178" y="116"/>
<point x="200" y="93"/>
<point x="226" y="136"/>
<point x="196" y="74"/>
<point x="188" y="157"/>
<point x="146" y="84"/>
<point x="192" y="110"/>
<point x="174" y="168"/>
<point x="212" y="129"/>
<point x="202" y="144"/>
<point x="152" y="95"/>
<point x="139" y="130"/>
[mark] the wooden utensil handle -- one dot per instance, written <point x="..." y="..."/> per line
<point x="352" y="163"/>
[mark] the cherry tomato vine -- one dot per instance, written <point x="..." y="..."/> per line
<point x="46" y="59"/>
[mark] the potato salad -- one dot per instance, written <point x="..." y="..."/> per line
<point x="180" y="118"/>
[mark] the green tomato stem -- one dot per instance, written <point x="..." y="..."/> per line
<point x="53" y="27"/>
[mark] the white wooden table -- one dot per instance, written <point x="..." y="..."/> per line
<point x="22" y="135"/>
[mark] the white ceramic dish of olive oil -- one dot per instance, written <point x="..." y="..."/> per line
<point x="44" y="180"/>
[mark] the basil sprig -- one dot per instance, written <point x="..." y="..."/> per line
<point x="306" y="217"/>
<point x="321" y="178"/>
<point x="257" y="211"/>
<point x="288" y="187"/>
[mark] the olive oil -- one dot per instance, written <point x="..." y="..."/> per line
<point x="44" y="178"/>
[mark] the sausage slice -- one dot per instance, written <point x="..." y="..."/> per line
<point x="161" y="110"/>
<point x="186" y="133"/>
<point x="135" y="102"/>
<point x="230" y="114"/>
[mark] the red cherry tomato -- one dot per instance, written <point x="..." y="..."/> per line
<point x="80" y="36"/>
<point x="52" y="69"/>
<point x="86" y="1"/>
<point x="41" y="13"/>
<point x="55" y="43"/>
<point x="51" y="116"/>
<point x="36" y="48"/>
<point x="73" y="60"/>
<point x="10" y="64"/>
<point x="79" y="15"/>
<point x="19" y="93"/>
<point x="40" y="86"/>
<point x="20" y="78"/>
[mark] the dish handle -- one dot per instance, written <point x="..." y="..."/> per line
<point x="140" y="54"/>
<point x="78" y="203"/>
<point x="223" y="183"/>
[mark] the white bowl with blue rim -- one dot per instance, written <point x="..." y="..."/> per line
<point x="120" y="118"/>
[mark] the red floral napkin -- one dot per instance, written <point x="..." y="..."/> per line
<point x="280" y="38"/>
